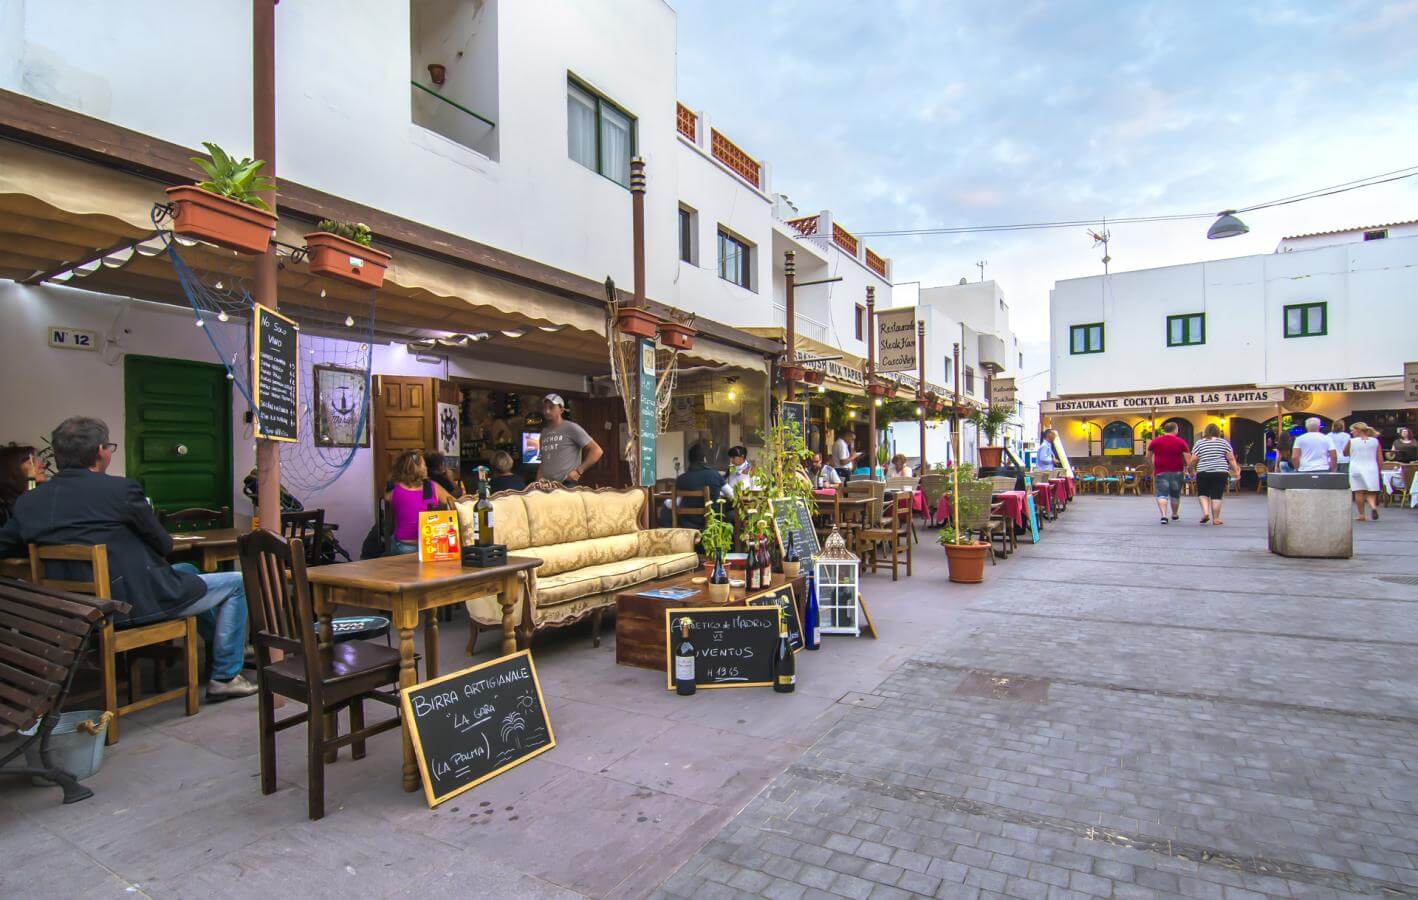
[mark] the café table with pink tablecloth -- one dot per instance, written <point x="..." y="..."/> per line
<point x="1044" y="498"/>
<point x="1012" y="504"/>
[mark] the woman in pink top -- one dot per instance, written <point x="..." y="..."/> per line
<point x="410" y="494"/>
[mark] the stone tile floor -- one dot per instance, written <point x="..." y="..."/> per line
<point x="1194" y="717"/>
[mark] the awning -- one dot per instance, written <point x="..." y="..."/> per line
<point x="847" y="374"/>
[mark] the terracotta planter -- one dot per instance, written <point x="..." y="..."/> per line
<point x="991" y="456"/>
<point x="342" y="258"/>
<point x="813" y="376"/>
<point x="876" y="389"/>
<point x="219" y="220"/>
<point x="891" y="390"/>
<point x="637" y="322"/>
<point x="680" y="337"/>
<point x="792" y="373"/>
<point x="966" y="561"/>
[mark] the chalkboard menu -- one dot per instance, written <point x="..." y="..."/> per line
<point x="733" y="645"/>
<point x="274" y="382"/>
<point x="795" y="413"/>
<point x="787" y="604"/>
<point x="649" y="415"/>
<point x="792" y="519"/>
<point x="472" y="725"/>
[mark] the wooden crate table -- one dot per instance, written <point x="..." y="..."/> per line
<point x="640" y="620"/>
<point x="405" y="587"/>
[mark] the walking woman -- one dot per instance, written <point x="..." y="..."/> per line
<point x="1215" y="466"/>
<point x="1363" y="452"/>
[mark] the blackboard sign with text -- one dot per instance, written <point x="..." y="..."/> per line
<point x="275" y="375"/>
<point x="733" y="645"/>
<point x="791" y="517"/>
<point x="649" y="415"/>
<point x="787" y="603"/>
<point x="472" y="725"/>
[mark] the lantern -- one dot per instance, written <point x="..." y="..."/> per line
<point x="836" y="576"/>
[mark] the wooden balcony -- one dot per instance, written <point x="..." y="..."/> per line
<point x="806" y="226"/>
<point x="844" y="239"/>
<point x="686" y="121"/>
<point x="876" y="263"/>
<point x="739" y="162"/>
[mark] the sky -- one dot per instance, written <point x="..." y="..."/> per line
<point x="916" y="114"/>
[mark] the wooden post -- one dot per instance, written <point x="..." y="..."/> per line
<point x="955" y="427"/>
<point x="921" y="388"/>
<point x="637" y="225"/>
<point x="871" y="376"/>
<point x="263" y="142"/>
<point x="790" y="270"/>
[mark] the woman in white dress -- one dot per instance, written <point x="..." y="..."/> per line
<point x="1363" y="452"/>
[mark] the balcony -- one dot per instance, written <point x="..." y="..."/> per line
<point x="993" y="354"/>
<point x="737" y="161"/>
<point x="686" y="122"/>
<point x="820" y="226"/>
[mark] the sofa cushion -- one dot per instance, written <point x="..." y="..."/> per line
<point x="555" y="517"/>
<point x="625" y="573"/>
<point x="509" y="521"/>
<point x="660" y="541"/>
<point x="675" y="563"/>
<point x="567" y="586"/>
<point x="613" y="512"/>
<point x="567" y="557"/>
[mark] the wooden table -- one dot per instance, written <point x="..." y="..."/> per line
<point x="640" y="620"/>
<point x="405" y="587"/>
<point x="212" y="546"/>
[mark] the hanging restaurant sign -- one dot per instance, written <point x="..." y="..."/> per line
<point x="1352" y="385"/>
<point x="896" y="340"/>
<point x="1194" y="399"/>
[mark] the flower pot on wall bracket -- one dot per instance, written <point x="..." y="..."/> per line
<point x="346" y="260"/>
<point x="813" y="376"/>
<point x="680" y="337"/>
<point x="792" y="372"/>
<point x="220" y="220"/>
<point x="891" y="389"/>
<point x="876" y="389"/>
<point x="637" y="322"/>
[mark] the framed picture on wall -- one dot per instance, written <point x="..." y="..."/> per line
<point x="340" y="415"/>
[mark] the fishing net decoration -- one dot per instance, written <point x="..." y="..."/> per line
<point x="335" y="356"/>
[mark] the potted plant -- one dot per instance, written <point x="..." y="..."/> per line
<point x="964" y="556"/>
<point x="792" y="372"/>
<point x="814" y="376"/>
<point x="342" y="250"/>
<point x="989" y="422"/>
<point x="876" y="389"/>
<point x="891" y="388"/>
<point x="717" y="537"/>
<point x="635" y="321"/>
<point x="680" y="337"/>
<point x="226" y="209"/>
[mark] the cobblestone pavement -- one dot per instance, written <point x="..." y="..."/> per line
<point x="1124" y="710"/>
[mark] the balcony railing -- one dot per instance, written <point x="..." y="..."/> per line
<point x="739" y="162"/>
<point x="844" y="239"/>
<point x="876" y="263"/>
<point x="453" y="103"/>
<point x="806" y="226"/>
<point x="686" y="121"/>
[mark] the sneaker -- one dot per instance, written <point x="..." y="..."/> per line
<point x="1175" y="517"/>
<point x="218" y="691"/>
<point x="1164" y="520"/>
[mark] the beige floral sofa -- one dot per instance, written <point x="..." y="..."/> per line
<point x="592" y="546"/>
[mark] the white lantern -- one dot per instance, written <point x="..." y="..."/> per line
<point x="836" y="575"/>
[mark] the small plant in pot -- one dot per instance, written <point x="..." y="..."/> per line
<point x="990" y="421"/>
<point x="226" y="209"/>
<point x="717" y="538"/>
<point x="964" y="555"/>
<point x="342" y="250"/>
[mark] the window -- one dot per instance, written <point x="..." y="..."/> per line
<point x="1306" y="320"/>
<point x="599" y="134"/>
<point x="1377" y="234"/>
<point x="735" y="260"/>
<point x="1117" y="439"/>
<point x="1187" y="330"/>
<point x="1085" y="338"/>
<point x="949" y="371"/>
<point x="861" y="321"/>
<point x="1021" y="360"/>
<point x="688" y="235"/>
<point x="969" y="380"/>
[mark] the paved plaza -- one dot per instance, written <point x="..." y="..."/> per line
<point x="1122" y="710"/>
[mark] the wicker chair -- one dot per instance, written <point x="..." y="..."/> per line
<point x="933" y="487"/>
<point x="985" y="521"/>
<point x="1105" y="481"/>
<point x="1002" y="483"/>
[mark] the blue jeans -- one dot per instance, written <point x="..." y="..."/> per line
<point x="221" y="620"/>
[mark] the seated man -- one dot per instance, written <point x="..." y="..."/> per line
<point x="822" y="476"/>
<point x="740" y="472"/>
<point x="503" y="478"/>
<point x="82" y="505"/>
<point x="699" y="476"/>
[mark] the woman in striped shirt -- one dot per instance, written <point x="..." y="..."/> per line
<point x="1215" y="465"/>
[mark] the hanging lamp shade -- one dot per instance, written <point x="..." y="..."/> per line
<point x="1226" y="225"/>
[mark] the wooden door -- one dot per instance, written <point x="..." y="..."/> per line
<point x="403" y="420"/>
<point x="177" y="431"/>
<point x="603" y="419"/>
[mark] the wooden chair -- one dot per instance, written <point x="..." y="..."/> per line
<point x="886" y="530"/>
<point x="897" y="482"/>
<point x="701" y="496"/>
<point x="1261" y="472"/>
<point x="195" y="519"/>
<point x="308" y="526"/>
<point x="1130" y="482"/>
<point x="325" y="679"/>
<point x="933" y="487"/>
<point x="115" y="641"/>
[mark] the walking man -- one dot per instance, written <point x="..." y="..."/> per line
<point x="1314" y="452"/>
<point x="1170" y="456"/>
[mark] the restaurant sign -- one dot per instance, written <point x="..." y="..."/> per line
<point x="896" y="340"/>
<point x="1410" y="382"/>
<point x="1200" y="399"/>
<point x="836" y="369"/>
<point x="1002" y="392"/>
<point x="1349" y="385"/>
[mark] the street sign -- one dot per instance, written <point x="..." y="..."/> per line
<point x="1410" y="382"/>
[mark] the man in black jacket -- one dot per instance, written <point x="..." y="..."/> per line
<point x="699" y="476"/>
<point x="82" y="505"/>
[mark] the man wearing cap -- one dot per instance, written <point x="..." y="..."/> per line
<point x="567" y="450"/>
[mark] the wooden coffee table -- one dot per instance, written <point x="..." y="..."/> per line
<point x="640" y="620"/>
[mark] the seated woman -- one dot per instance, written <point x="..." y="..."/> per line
<point x="503" y="478"/>
<point x="20" y="471"/>
<point x="899" y="469"/>
<point x="411" y="493"/>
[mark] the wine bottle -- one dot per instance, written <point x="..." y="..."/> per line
<point x="812" y="616"/>
<point x="790" y="549"/>
<point x="784" y="667"/>
<point x="765" y="566"/>
<point x="482" y="513"/>
<point x="751" y="582"/>
<point x="684" y="660"/>
<point x="719" y="576"/>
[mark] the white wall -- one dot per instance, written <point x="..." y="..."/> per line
<point x="1352" y="236"/>
<point x="1371" y="288"/>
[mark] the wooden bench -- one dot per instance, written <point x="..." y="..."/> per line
<point x="43" y="635"/>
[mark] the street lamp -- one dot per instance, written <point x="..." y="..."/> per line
<point x="1226" y="225"/>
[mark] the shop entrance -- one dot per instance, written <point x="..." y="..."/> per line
<point x="1247" y="440"/>
<point x="177" y="431"/>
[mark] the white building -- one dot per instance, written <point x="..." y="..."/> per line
<point x="1347" y="236"/>
<point x="1323" y="331"/>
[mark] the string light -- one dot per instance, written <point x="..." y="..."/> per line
<point x="349" y="321"/>
<point x="222" y="316"/>
<point x="322" y="292"/>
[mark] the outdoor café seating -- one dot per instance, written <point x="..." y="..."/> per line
<point x="886" y="530"/>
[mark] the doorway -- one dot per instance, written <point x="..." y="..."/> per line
<point x="1248" y="440"/>
<point x="177" y="431"/>
<point x="1184" y="428"/>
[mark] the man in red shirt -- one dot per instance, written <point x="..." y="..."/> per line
<point x="1169" y="455"/>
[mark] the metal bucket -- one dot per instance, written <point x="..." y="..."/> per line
<point x="75" y="744"/>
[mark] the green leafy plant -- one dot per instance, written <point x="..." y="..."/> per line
<point x="718" y="534"/>
<point x="233" y="179"/>
<point x="356" y="231"/>
<point x="991" y="420"/>
<point x="838" y="414"/>
<point x="777" y="474"/>
<point x="969" y="510"/>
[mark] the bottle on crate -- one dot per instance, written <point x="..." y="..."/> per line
<point x="755" y="566"/>
<point x="684" y="660"/>
<point x="812" y="616"/>
<point x="790" y="550"/>
<point x="719" y="575"/>
<point x="784" y="667"/>
<point x="482" y="513"/>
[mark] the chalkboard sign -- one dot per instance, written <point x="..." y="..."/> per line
<point x="1029" y="505"/>
<point x="797" y="414"/>
<point x="472" y="725"/>
<point x="275" y="375"/>
<point x="790" y="517"/>
<point x="787" y="604"/>
<point x="649" y="415"/>
<point x="733" y="645"/>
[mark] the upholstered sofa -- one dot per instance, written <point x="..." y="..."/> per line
<point x="592" y="545"/>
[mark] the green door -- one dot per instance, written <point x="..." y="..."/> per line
<point x="177" y="432"/>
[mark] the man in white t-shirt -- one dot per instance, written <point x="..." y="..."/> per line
<point x="1314" y="452"/>
<point x="843" y="457"/>
<point x="1339" y="437"/>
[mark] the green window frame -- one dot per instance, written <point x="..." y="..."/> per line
<point x="1306" y="319"/>
<point x="606" y="118"/>
<point x="1087" y="338"/>
<point x="1186" y="330"/>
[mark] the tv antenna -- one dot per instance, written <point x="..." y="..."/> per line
<point x="981" y="266"/>
<point x="1102" y="236"/>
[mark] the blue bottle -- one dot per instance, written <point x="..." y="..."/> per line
<point x="810" y="620"/>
